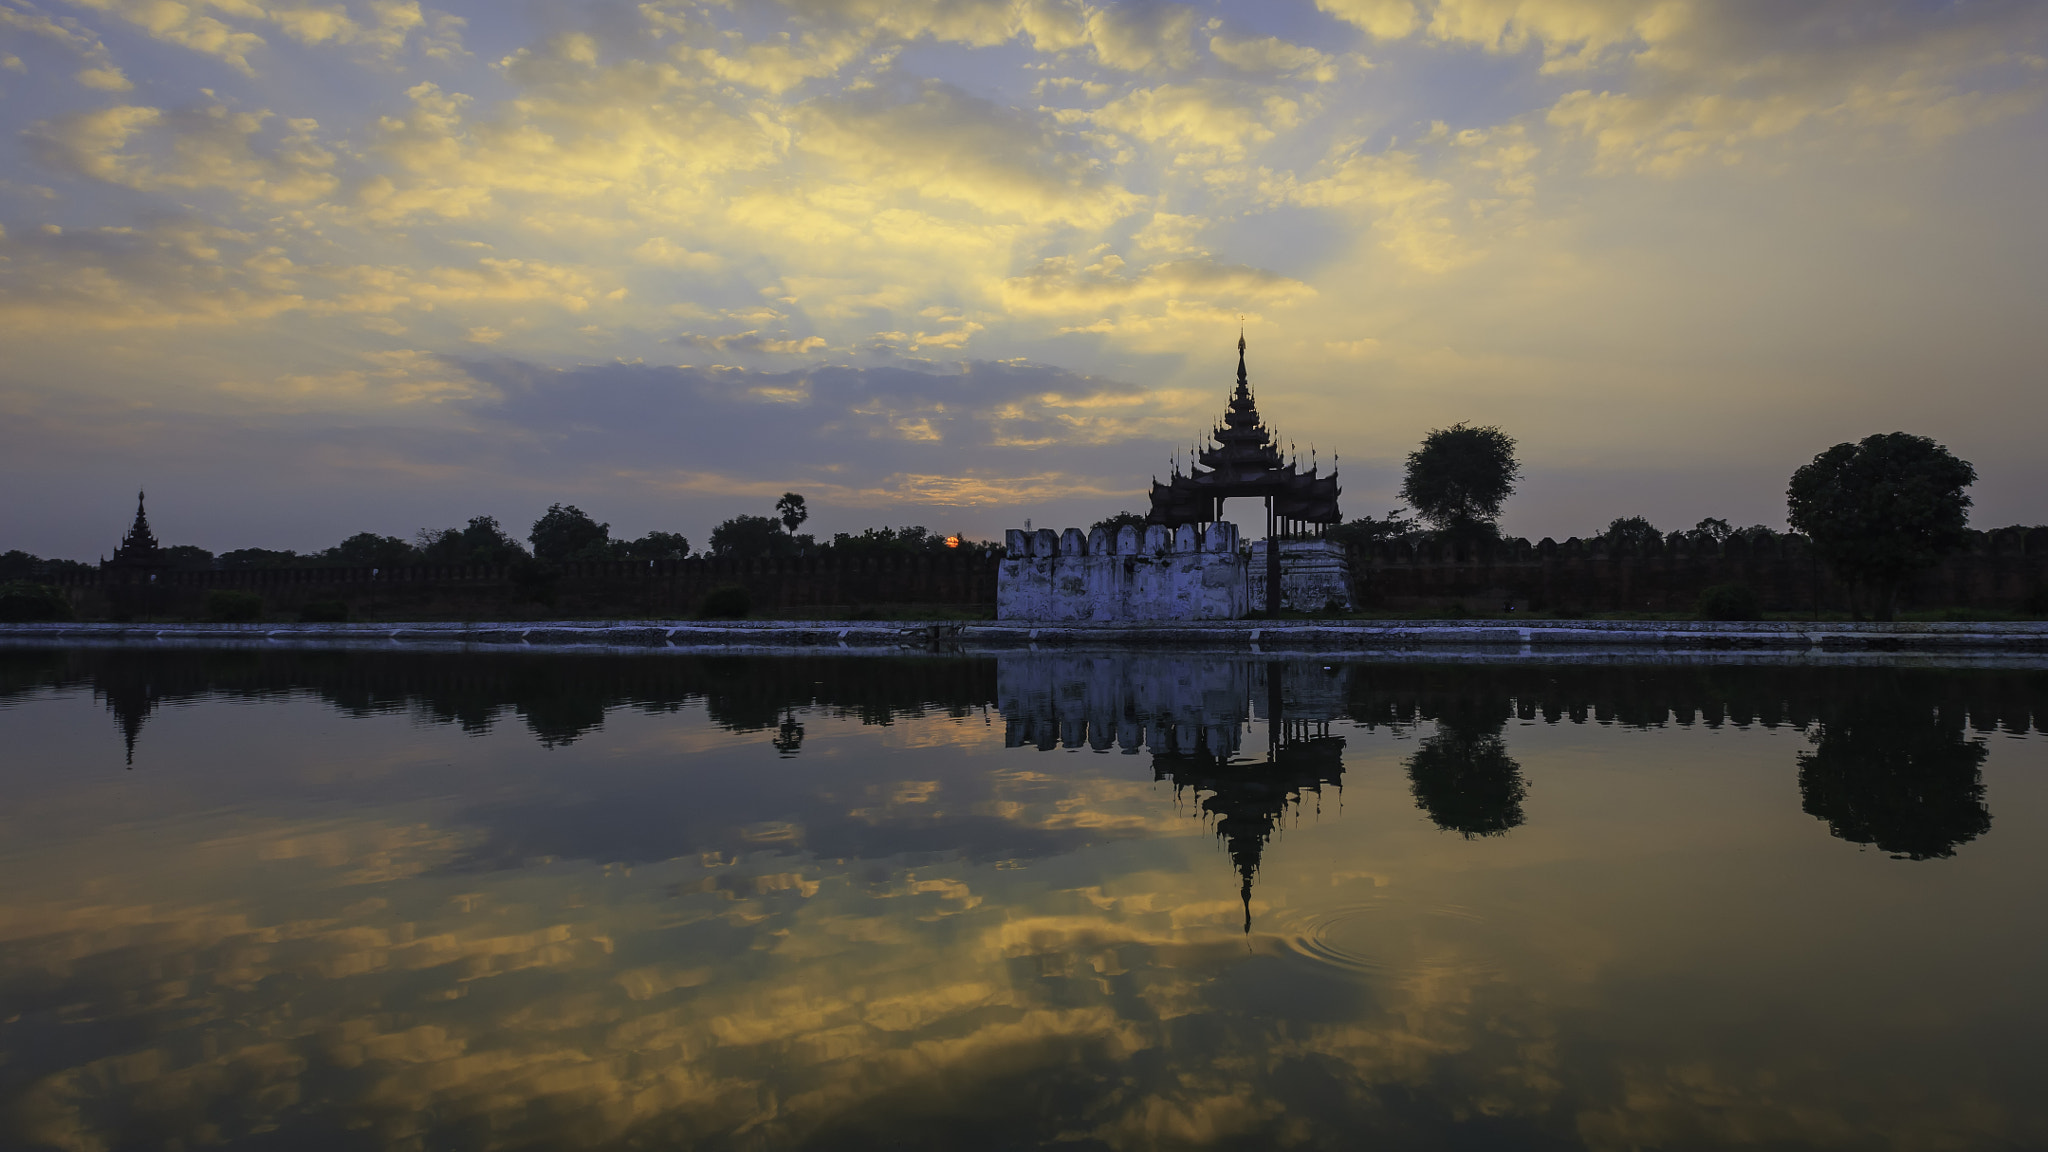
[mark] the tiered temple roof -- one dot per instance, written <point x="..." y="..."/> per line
<point x="139" y="548"/>
<point x="1244" y="461"/>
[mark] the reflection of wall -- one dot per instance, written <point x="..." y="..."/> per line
<point x="1190" y="714"/>
<point x="1128" y="701"/>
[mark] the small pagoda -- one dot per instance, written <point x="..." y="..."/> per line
<point x="140" y="556"/>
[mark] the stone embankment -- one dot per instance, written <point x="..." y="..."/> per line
<point x="1529" y="638"/>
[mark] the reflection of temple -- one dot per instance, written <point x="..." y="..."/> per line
<point x="131" y="694"/>
<point x="1190" y="713"/>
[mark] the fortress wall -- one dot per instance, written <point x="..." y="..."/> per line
<point x="1161" y="574"/>
<point x="503" y="591"/>
<point x="2005" y="570"/>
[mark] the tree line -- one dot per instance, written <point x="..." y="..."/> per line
<point x="1877" y="510"/>
<point x="562" y="534"/>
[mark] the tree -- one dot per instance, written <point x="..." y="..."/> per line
<point x="188" y="558"/>
<point x="658" y="546"/>
<point x="791" y="511"/>
<point x="751" y="538"/>
<point x="1880" y="509"/>
<point x="1367" y="530"/>
<point x="1460" y="477"/>
<point x="909" y="540"/>
<point x="369" y="550"/>
<point x="1631" y="532"/>
<point x="18" y="565"/>
<point x="566" y="532"/>
<point x="482" y="542"/>
<point x="1118" y="522"/>
<point x="242" y="559"/>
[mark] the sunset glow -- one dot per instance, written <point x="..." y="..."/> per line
<point x="305" y="268"/>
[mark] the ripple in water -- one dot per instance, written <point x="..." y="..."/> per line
<point x="1379" y="938"/>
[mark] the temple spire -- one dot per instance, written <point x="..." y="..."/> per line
<point x="1242" y="384"/>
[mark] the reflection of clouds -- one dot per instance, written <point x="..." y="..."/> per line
<point x="691" y="1001"/>
<point x="213" y="978"/>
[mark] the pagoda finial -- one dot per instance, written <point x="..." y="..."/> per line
<point x="1242" y="383"/>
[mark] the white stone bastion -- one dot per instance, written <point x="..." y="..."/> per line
<point x="1159" y="573"/>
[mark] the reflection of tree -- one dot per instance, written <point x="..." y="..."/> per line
<point x="1896" y="774"/>
<point x="789" y="736"/>
<point x="1463" y="776"/>
<point x="561" y="696"/>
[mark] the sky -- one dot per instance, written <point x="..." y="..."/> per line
<point x="307" y="268"/>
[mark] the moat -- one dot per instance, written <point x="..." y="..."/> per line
<point x="470" y="899"/>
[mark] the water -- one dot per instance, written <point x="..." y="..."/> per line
<point x="386" y="900"/>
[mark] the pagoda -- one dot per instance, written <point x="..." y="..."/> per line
<point x="139" y="553"/>
<point x="1244" y="461"/>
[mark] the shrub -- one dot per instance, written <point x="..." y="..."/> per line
<point x="25" y="603"/>
<point x="1729" y="602"/>
<point x="227" y="606"/>
<point x="535" y="580"/>
<point x="324" y="612"/>
<point x="728" y="603"/>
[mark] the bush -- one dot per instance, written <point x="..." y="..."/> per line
<point x="324" y="612"/>
<point x="730" y="603"/>
<point x="1729" y="602"/>
<point x="536" y="580"/>
<point x="25" y="603"/>
<point x="227" y="606"/>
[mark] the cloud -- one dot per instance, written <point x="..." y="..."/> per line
<point x="1384" y="19"/>
<point x="778" y="66"/>
<point x="181" y="24"/>
<point x="149" y="149"/>
<point x="942" y="144"/>
<point x="755" y="343"/>
<point x="1219" y="117"/>
<point x="1270" y="54"/>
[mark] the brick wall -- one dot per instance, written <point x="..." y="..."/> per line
<point x="2007" y="569"/>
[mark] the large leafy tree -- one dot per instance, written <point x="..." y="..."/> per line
<point x="658" y="546"/>
<point x="1460" y="477"/>
<point x="481" y="542"/>
<point x="369" y="550"/>
<point x="1631" y="532"/>
<point x="1880" y="509"/>
<point x="751" y="538"/>
<point x="566" y="532"/>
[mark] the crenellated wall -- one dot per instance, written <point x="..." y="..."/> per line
<point x="1159" y="574"/>
<point x="2006" y="569"/>
<point x="616" y="588"/>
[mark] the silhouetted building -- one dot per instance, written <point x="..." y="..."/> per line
<point x="1245" y="461"/>
<point x="139" y="556"/>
